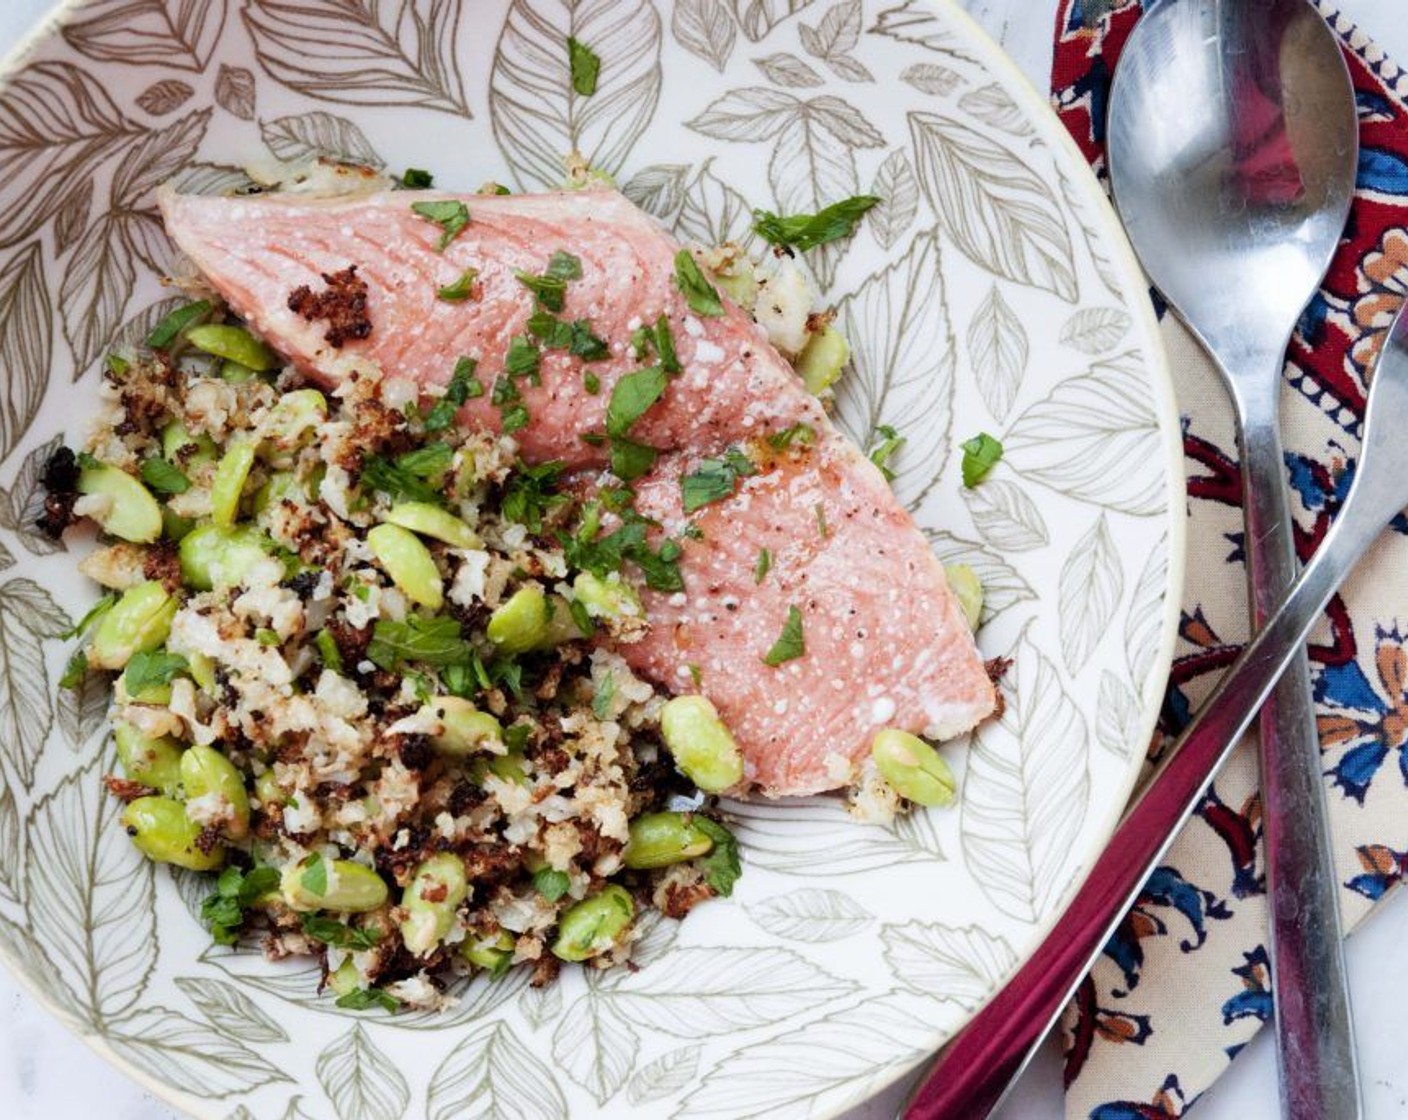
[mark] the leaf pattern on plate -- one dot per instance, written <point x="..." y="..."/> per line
<point x="88" y="904"/>
<point x="705" y="29"/>
<point x="818" y="1070"/>
<point x="834" y="38"/>
<point x="963" y="965"/>
<point x="1092" y="582"/>
<point x="595" y="1047"/>
<point x="309" y="135"/>
<point x="363" y="52"/>
<point x="541" y="1006"/>
<point x="812" y="915"/>
<point x="788" y="71"/>
<point x="997" y="345"/>
<point x="81" y="712"/>
<point x="362" y="1082"/>
<point x="25" y="352"/>
<point x="166" y="1045"/>
<point x="1143" y="623"/>
<point x="28" y="615"/>
<point x="234" y="91"/>
<point x="1081" y="439"/>
<point x="903" y="366"/>
<point x="1095" y="243"/>
<point x="22" y="504"/>
<point x="805" y="837"/>
<point x="178" y="33"/>
<point x="758" y="17"/>
<point x="165" y="96"/>
<point x="712" y="212"/>
<point x="11" y="851"/>
<point x="539" y="118"/>
<point x="993" y="105"/>
<point x="72" y="217"/>
<point x="1003" y="585"/>
<point x="22" y="951"/>
<point x="917" y="21"/>
<point x="1096" y="330"/>
<point x="996" y="209"/>
<point x="659" y="189"/>
<point x="491" y="1075"/>
<point x="1006" y="517"/>
<point x="928" y="77"/>
<point x="898" y="191"/>
<point x="1026" y="789"/>
<point x="1117" y="716"/>
<point x="665" y="1076"/>
<point x="230" y="1011"/>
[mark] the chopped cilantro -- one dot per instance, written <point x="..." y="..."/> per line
<point x="591" y="382"/>
<point x="412" y="475"/>
<point x="663" y="340"/>
<point x="522" y="357"/>
<point x="631" y="397"/>
<point x="427" y="639"/>
<point x="696" y="674"/>
<point x="514" y="419"/>
<point x="163" y="477"/>
<point x="807" y="231"/>
<point x="763" y="566"/>
<point x="790" y="644"/>
<point x="801" y="433"/>
<point x="584" y="65"/>
<point x="714" y="479"/>
<point x="328" y="651"/>
<point x="551" y="884"/>
<point x="364" y="999"/>
<point x="315" y="876"/>
<point x="450" y="215"/>
<point x="888" y="447"/>
<point x="605" y="692"/>
<point x="548" y="329"/>
<point x="414" y="179"/>
<point x="118" y="365"/>
<point x="332" y="932"/>
<point x="586" y="345"/>
<point x="75" y="671"/>
<point x="581" y="617"/>
<point x="564" y="266"/>
<point x="551" y="291"/>
<point x="151" y="670"/>
<point x="630" y="460"/>
<point x="463" y="386"/>
<point x="529" y="493"/>
<point x="603" y="555"/>
<point x="980" y="455"/>
<point x="428" y="463"/>
<point x="166" y="331"/>
<point x="462" y="288"/>
<point x="701" y="295"/>
<point x="721" y="867"/>
<point x="95" y="612"/>
<point x="505" y="392"/>
<point x="235" y="892"/>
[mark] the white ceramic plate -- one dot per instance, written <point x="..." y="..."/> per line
<point x="991" y="290"/>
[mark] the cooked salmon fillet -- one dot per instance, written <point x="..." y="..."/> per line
<point x="886" y="644"/>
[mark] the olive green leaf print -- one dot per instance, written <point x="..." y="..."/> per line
<point x="229" y="1010"/>
<point x="788" y="71"/>
<point x="1092" y="582"/>
<point x="179" y="1051"/>
<point x="1096" y="330"/>
<point x="177" y="33"/>
<point x="595" y="1046"/>
<point x="309" y="135"/>
<point x="1005" y="517"/>
<point x="541" y="1006"/>
<point x="23" y="502"/>
<point x="491" y="1075"/>
<point x="918" y="22"/>
<point x="80" y="711"/>
<point x="705" y="29"/>
<point x="1141" y="625"/>
<point x="811" y="915"/>
<point x="805" y="837"/>
<point x="898" y="191"/>
<point x="929" y="78"/>
<point x="658" y="189"/>
<point x="993" y="105"/>
<point x="11" y="855"/>
<point x="362" y="1082"/>
<point x="834" y="39"/>
<point x="1117" y="716"/>
<point x="28" y="616"/>
<point x="25" y="342"/>
<point x="947" y="963"/>
<point x="998" y="346"/>
<point x="758" y="17"/>
<point x="665" y="1076"/>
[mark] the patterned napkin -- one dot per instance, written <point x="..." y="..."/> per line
<point x="1183" y="986"/>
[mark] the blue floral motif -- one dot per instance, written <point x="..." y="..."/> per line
<point x="1365" y="721"/>
<point x="1254" y="1000"/>
<point x="1169" y="1103"/>
<point x="1384" y="869"/>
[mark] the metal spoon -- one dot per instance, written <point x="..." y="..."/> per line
<point x="1233" y="146"/>
<point x="972" y="1075"/>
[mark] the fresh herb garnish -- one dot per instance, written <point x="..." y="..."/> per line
<point x="315" y="876"/>
<point x="392" y="478"/>
<point x="585" y="66"/>
<point x="414" y="179"/>
<point x="118" y="365"/>
<point x="163" y="477"/>
<point x="591" y="383"/>
<point x="661" y="339"/>
<point x="327" y="650"/>
<point x="604" y="555"/>
<point x="630" y="460"/>
<point x="605" y="692"/>
<point x="551" y="884"/>
<point x="522" y="358"/>
<point x="701" y="295"/>
<point x="550" y="291"/>
<point x="807" y="231"/>
<point x="450" y="215"/>
<point x="763" y="566"/>
<point x="821" y="527"/>
<point x="236" y="891"/>
<point x="428" y="639"/>
<point x="801" y="433"/>
<point x="364" y="999"/>
<point x="721" y="867"/>
<point x="529" y="493"/>
<point x="563" y="265"/>
<point x="463" y="385"/>
<point x="631" y="396"/>
<point x="166" y="331"/>
<point x="586" y="345"/>
<point x="95" y="612"/>
<point x="715" y="479"/>
<point x="151" y="669"/>
<point x="790" y="644"/>
<point x="340" y="936"/>
<point x="575" y="337"/>
<point x="889" y="446"/>
<point x="980" y="455"/>
<point x="514" y="419"/>
<point x="75" y="671"/>
<point x="462" y="288"/>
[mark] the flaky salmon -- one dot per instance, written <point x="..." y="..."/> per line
<point x="810" y="526"/>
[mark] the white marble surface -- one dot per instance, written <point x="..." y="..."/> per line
<point x="48" y="1074"/>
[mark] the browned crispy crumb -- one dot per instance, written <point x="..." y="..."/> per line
<point x="162" y="563"/>
<point x="343" y="304"/>
<point x="125" y="790"/>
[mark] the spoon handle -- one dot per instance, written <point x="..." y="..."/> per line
<point x="1314" y="1031"/>
<point x="972" y="1075"/>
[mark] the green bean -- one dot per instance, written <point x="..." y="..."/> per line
<point x="495" y="955"/>
<point x="464" y="729"/>
<point x="234" y="344"/>
<point x="212" y="556"/>
<point x="153" y="762"/>
<point x="409" y="564"/>
<point x="594" y="925"/>
<point x="605" y="598"/>
<point x="433" y="522"/>
<point x="316" y="883"/>
<point x="661" y="839"/>
<point x="227" y="487"/>
<point x="131" y="512"/>
<point x="822" y="359"/>
<point x="522" y="623"/>
<point x="430" y="901"/>
<point x="205" y="772"/>
<point x="137" y="623"/>
<point x="967" y="588"/>
<point x="162" y="832"/>
<point x="702" y="745"/>
<point x="912" y="767"/>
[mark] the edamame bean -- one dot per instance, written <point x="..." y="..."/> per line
<point x="495" y="955"/>
<point x="738" y="282"/>
<point x="158" y="695"/>
<point x="822" y="359"/>
<point x="162" y="832"/>
<point x="464" y="728"/>
<point x="205" y="772"/>
<point x="281" y="486"/>
<point x="175" y="438"/>
<point x="662" y="839"/>
<point x="968" y="590"/>
<point x="433" y="522"/>
<point x="345" y="979"/>
<point x="430" y="900"/>
<point x="270" y="794"/>
<point x="212" y="556"/>
<point x="137" y="623"/>
<point x="702" y="745"/>
<point x="522" y="623"/>
<point x="234" y="344"/>
<point x="130" y="511"/>
<point x="227" y="487"/>
<point x="316" y="883"/>
<point x="236" y="374"/>
<point x="912" y="767"/>
<point x="408" y="563"/>
<point x="153" y="762"/>
<point x="592" y="926"/>
<point x="509" y="767"/>
<point x="606" y="598"/>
